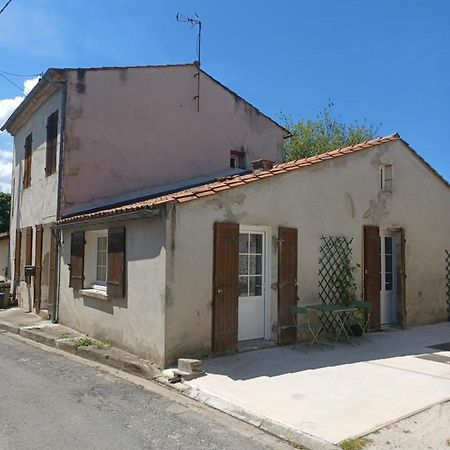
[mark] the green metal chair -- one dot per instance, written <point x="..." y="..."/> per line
<point x="363" y="314"/>
<point x="306" y="327"/>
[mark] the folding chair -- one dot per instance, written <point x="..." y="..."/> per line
<point x="364" y="310"/>
<point x="307" y="327"/>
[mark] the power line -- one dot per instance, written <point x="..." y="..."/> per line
<point x="12" y="82"/>
<point x="6" y="5"/>
<point x="24" y="75"/>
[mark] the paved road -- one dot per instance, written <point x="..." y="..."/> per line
<point x="48" y="401"/>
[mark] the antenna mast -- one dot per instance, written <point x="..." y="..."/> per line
<point x="195" y="21"/>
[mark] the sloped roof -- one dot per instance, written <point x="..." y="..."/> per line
<point x="224" y="184"/>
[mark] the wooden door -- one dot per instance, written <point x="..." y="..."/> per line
<point x="402" y="279"/>
<point x="52" y="274"/>
<point x="38" y="268"/>
<point x="287" y="284"/>
<point x="225" y="287"/>
<point x="17" y="254"/>
<point x="372" y="270"/>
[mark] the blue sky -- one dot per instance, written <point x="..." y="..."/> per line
<point x="387" y="61"/>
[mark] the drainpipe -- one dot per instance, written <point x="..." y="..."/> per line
<point x="57" y="233"/>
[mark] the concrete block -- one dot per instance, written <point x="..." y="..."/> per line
<point x="9" y="327"/>
<point x="190" y="365"/>
<point x="38" y="335"/>
<point x="67" y="345"/>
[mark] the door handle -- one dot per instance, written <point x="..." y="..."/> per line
<point x="218" y="291"/>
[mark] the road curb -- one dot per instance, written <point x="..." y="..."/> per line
<point x="271" y="426"/>
<point x="113" y="357"/>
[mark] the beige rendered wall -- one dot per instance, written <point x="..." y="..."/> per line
<point x="37" y="203"/>
<point x="138" y="128"/>
<point x="135" y="323"/>
<point x="4" y="259"/>
<point x="335" y="197"/>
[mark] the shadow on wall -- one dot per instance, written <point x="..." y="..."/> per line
<point x="376" y="347"/>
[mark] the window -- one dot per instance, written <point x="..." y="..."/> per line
<point x="250" y="264"/>
<point x="27" y="161"/>
<point x="237" y="159"/>
<point x="386" y="178"/>
<point x="52" y="139"/>
<point x="102" y="260"/>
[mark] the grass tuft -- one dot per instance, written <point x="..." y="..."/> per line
<point x="355" y="444"/>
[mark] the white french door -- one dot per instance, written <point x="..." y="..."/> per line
<point x="252" y="282"/>
<point x="388" y="289"/>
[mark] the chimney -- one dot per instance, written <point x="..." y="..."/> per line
<point x="262" y="164"/>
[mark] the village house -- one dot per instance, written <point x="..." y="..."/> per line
<point x="223" y="263"/>
<point x="86" y="138"/>
<point x="178" y="231"/>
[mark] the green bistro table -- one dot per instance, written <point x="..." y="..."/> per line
<point x="341" y="313"/>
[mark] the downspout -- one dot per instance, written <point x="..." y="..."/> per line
<point x="57" y="232"/>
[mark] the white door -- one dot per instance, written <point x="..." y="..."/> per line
<point x="388" y="297"/>
<point x="251" y="311"/>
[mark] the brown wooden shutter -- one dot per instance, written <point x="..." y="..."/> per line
<point x="28" y="249"/>
<point x="27" y="161"/>
<point x="52" y="137"/>
<point x="17" y="253"/>
<point x="372" y="272"/>
<point x="287" y="284"/>
<point x="115" y="280"/>
<point x="52" y="272"/>
<point x="403" y="321"/>
<point x="38" y="268"/>
<point x="225" y="287"/>
<point x="77" y="260"/>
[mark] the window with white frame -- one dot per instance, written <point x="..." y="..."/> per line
<point x="102" y="260"/>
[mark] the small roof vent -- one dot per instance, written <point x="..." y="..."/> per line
<point x="262" y="164"/>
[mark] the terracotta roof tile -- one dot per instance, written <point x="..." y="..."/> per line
<point x="224" y="184"/>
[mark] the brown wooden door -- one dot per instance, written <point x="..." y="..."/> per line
<point x="287" y="284"/>
<point x="52" y="274"/>
<point x="38" y="268"/>
<point x="17" y="254"/>
<point x="372" y="270"/>
<point x="402" y="279"/>
<point x="225" y="287"/>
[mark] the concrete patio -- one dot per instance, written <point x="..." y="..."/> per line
<point x="333" y="395"/>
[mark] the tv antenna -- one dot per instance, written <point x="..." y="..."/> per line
<point x="195" y="22"/>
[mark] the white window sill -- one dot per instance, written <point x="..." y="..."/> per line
<point x="94" y="293"/>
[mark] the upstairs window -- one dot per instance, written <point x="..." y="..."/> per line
<point x="237" y="159"/>
<point x="102" y="260"/>
<point x="386" y="178"/>
<point x="52" y="139"/>
<point x="27" y="161"/>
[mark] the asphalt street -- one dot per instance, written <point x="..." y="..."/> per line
<point x="49" y="401"/>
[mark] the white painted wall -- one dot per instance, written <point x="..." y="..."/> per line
<point x="37" y="203"/>
<point x="135" y="323"/>
<point x="138" y="128"/>
<point x="331" y="198"/>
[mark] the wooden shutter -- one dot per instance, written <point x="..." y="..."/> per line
<point x="225" y="287"/>
<point x="28" y="249"/>
<point x="116" y="263"/>
<point x="38" y="268"/>
<point x="287" y="284"/>
<point x="402" y="278"/>
<point x="77" y="260"/>
<point x="52" y="273"/>
<point x="372" y="272"/>
<point x="27" y="161"/>
<point x="52" y="138"/>
<point x="17" y="254"/>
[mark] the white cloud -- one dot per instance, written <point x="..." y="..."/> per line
<point x="8" y="105"/>
<point x="28" y="85"/>
<point x="5" y="170"/>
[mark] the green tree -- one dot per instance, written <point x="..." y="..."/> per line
<point x="5" y="207"/>
<point x="312" y="137"/>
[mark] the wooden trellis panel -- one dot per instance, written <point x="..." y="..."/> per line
<point x="335" y="256"/>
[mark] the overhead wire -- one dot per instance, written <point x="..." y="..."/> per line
<point x="6" y="5"/>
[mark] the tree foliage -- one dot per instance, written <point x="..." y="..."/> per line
<point x="326" y="132"/>
<point x="5" y="206"/>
